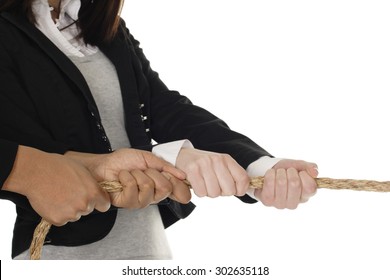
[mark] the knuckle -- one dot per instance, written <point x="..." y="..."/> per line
<point x="186" y="198"/>
<point x="213" y="194"/>
<point x="213" y="191"/>
<point x="128" y="181"/>
<point x="143" y="204"/>
<point x="183" y="197"/>
<point x="242" y="184"/>
<point x="281" y="181"/>
<point x="72" y="216"/>
<point x="267" y="199"/>
<point x="243" y="178"/>
<point x="193" y="168"/>
<point x="129" y="203"/>
<point x="294" y="183"/>
<point x="57" y="221"/>
<point x="82" y="206"/>
<point x="206" y="161"/>
<point x="147" y="188"/>
<point x="147" y="183"/>
<point x="98" y="195"/>
<point x="220" y="158"/>
<point x="105" y="207"/>
<point x="165" y="186"/>
<point x="226" y="157"/>
<point x="269" y="175"/>
<point x="310" y="189"/>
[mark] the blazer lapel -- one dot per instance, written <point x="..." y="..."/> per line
<point x="62" y="61"/>
<point x="122" y="58"/>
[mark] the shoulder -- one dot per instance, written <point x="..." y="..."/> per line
<point x="10" y="32"/>
<point x="124" y="33"/>
<point x="16" y="33"/>
<point x="5" y="25"/>
<point x="9" y="38"/>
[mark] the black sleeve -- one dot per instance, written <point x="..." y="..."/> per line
<point x="19" y="120"/>
<point x="8" y="152"/>
<point x="175" y="117"/>
<point x="178" y="118"/>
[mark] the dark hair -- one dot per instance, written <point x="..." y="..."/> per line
<point x="98" y="19"/>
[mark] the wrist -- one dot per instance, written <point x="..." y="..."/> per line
<point x="259" y="168"/>
<point x="90" y="161"/>
<point x="18" y="180"/>
<point x="170" y="151"/>
<point x="87" y="160"/>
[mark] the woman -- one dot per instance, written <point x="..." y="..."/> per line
<point x="75" y="81"/>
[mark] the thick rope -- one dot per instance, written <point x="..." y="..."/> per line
<point x="112" y="186"/>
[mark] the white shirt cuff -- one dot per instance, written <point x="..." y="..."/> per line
<point x="169" y="151"/>
<point x="259" y="168"/>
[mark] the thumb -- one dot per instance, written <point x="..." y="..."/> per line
<point x="312" y="169"/>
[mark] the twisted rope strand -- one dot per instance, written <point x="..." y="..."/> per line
<point x="113" y="186"/>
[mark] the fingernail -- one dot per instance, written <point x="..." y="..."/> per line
<point x="316" y="172"/>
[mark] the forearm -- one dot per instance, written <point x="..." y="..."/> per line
<point x="27" y="162"/>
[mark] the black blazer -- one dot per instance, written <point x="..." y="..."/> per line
<point x="46" y="103"/>
<point x="8" y="152"/>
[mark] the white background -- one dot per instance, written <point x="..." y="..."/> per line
<point x="304" y="79"/>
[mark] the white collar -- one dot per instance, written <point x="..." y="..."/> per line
<point x="66" y="40"/>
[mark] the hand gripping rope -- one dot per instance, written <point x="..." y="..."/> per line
<point x="257" y="183"/>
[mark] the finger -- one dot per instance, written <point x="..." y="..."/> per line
<point x="155" y="162"/>
<point x="281" y="188"/>
<point x="174" y="171"/>
<point x="128" y="198"/>
<point x="76" y="218"/>
<point x="102" y="200"/>
<point x="312" y="170"/>
<point x="267" y="193"/>
<point x="211" y="181"/>
<point x="163" y="187"/>
<point x="309" y="186"/>
<point x="180" y="191"/>
<point x="225" y="178"/>
<point x="294" y="190"/>
<point x="145" y="186"/>
<point x="57" y="220"/>
<point x="70" y="216"/>
<point x="195" y="178"/>
<point x="198" y="184"/>
<point x="88" y="210"/>
<point x="310" y="167"/>
<point x="240" y="177"/>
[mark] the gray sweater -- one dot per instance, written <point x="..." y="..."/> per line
<point x="137" y="234"/>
